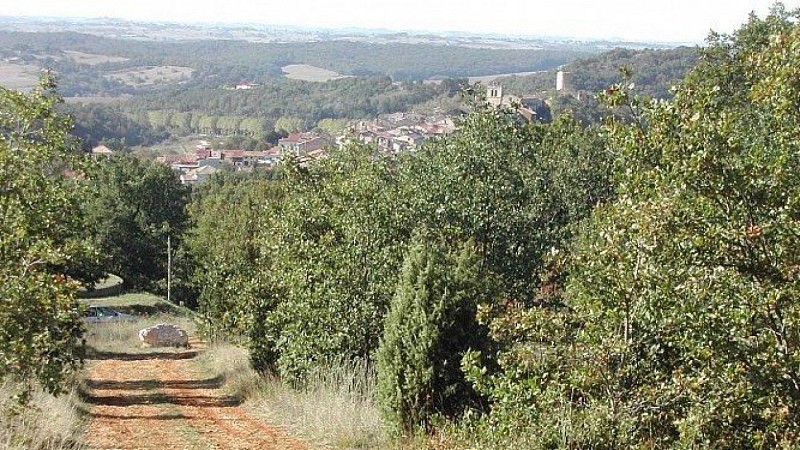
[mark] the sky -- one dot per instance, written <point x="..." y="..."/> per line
<point x="642" y="20"/>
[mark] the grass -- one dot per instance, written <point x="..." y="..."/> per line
<point x="107" y="287"/>
<point x="18" y="76"/>
<point x="152" y="75"/>
<point x="109" y="281"/>
<point x="336" y="409"/>
<point x="46" y="423"/>
<point x="140" y="304"/>
<point x="305" y="72"/>
<point x="123" y="337"/>
<point x="91" y="58"/>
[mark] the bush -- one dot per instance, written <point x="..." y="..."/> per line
<point x="430" y="326"/>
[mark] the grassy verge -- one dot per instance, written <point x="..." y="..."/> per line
<point x="46" y="423"/>
<point x="140" y="304"/>
<point x="336" y="410"/>
<point x="109" y="286"/>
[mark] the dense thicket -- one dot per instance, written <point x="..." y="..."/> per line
<point x="646" y="271"/>
<point x="430" y="325"/>
<point x="678" y="324"/>
<point x="136" y="205"/>
<point x="654" y="72"/>
<point x="96" y="124"/>
<point x="43" y="252"/>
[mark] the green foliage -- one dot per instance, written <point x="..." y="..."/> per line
<point x="308" y="272"/>
<point x="41" y="239"/>
<point x="98" y="124"/>
<point x="708" y="294"/>
<point x="338" y="248"/>
<point x="512" y="187"/>
<point x="230" y="218"/>
<point x="332" y="126"/>
<point x="288" y="104"/>
<point x="655" y="72"/>
<point x="677" y="327"/>
<point x="137" y="205"/>
<point x="289" y="124"/>
<point x="430" y="325"/>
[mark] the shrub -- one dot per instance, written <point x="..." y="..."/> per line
<point x="430" y="326"/>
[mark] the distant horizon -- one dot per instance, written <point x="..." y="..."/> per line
<point x="358" y="29"/>
<point x="657" y="21"/>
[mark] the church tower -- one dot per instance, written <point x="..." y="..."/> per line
<point x="494" y="94"/>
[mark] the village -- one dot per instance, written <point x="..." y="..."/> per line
<point x="388" y="134"/>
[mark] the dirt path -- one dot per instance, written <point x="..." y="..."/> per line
<point x="162" y="401"/>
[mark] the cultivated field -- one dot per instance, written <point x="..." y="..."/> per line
<point x="98" y="100"/>
<point x="18" y="76"/>
<point x="92" y="59"/>
<point x="305" y="72"/>
<point x="152" y="75"/>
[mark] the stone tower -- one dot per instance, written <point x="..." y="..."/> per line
<point x="494" y="94"/>
<point x="562" y="81"/>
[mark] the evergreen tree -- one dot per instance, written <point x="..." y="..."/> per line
<point x="430" y="326"/>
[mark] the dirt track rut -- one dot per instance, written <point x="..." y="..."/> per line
<point x="162" y="401"/>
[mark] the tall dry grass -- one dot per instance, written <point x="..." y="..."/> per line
<point x="335" y="409"/>
<point x="45" y="423"/>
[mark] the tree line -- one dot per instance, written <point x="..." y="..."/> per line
<point x="226" y="62"/>
<point x="278" y="107"/>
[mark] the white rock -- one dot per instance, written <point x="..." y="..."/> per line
<point x="164" y="335"/>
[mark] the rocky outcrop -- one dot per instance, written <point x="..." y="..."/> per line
<point x="164" y="335"/>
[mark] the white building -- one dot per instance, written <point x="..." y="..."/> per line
<point x="562" y="80"/>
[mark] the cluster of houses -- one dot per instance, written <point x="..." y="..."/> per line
<point x="391" y="134"/>
<point x="398" y="132"/>
<point x="197" y="167"/>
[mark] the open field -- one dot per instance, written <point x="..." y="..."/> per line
<point x="122" y="337"/>
<point x="172" y="146"/>
<point x="92" y="59"/>
<point x="98" y="100"/>
<point x="152" y="75"/>
<point x="18" y="76"/>
<point x="305" y="72"/>
<point x="140" y="304"/>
